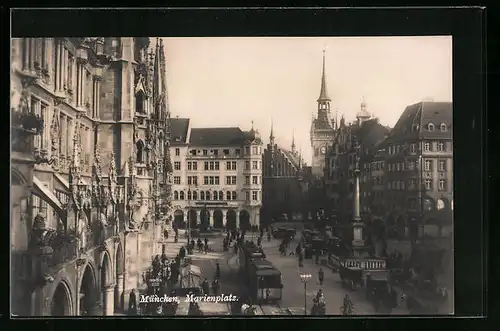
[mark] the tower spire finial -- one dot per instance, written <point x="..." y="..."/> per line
<point x="271" y="135"/>
<point x="293" y="140"/>
<point x="323" y="95"/>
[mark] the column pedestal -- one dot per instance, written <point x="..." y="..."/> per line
<point x="119" y="292"/>
<point x="109" y="300"/>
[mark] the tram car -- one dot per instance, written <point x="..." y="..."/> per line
<point x="264" y="282"/>
<point x="247" y="253"/>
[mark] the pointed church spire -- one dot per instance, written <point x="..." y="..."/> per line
<point x="293" y="141"/>
<point x="157" y="79"/>
<point x="271" y="135"/>
<point x="323" y="95"/>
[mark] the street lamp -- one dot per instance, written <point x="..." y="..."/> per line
<point x="305" y="278"/>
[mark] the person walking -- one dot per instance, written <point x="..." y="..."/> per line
<point x="321" y="276"/>
<point x="132" y="303"/>
<point x="217" y="270"/>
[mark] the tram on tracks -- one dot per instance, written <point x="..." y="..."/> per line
<point x="263" y="280"/>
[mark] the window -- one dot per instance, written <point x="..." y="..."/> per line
<point x="216" y="165"/>
<point x="177" y="152"/>
<point x="442" y="165"/>
<point x="193" y="180"/>
<point x="255" y="195"/>
<point x="177" y="165"/>
<point x="233" y="165"/>
<point x="181" y="195"/>
<point x="442" y="185"/>
<point x="413" y="148"/>
<point x="225" y="151"/>
<point x="247" y="196"/>
<point x="189" y="164"/>
<point x="247" y="165"/>
<point x="195" y="195"/>
<point x="440" y="146"/>
<point x="428" y="165"/>
<point x="228" y="180"/>
<point x="212" y="165"/>
<point x="444" y="127"/>
<point x="411" y="165"/>
<point x="193" y="152"/>
<point x="397" y="149"/>
<point x="228" y="195"/>
<point x="255" y="180"/>
<point x="228" y="165"/>
<point x="255" y="165"/>
<point x="139" y="152"/>
<point x="233" y="180"/>
<point x="237" y="152"/>
<point x="221" y="195"/>
<point x="402" y="185"/>
<point x="411" y="184"/>
<point x="247" y="180"/>
<point x="207" y="195"/>
<point x="235" y="196"/>
<point x="217" y="180"/>
<point x="189" y="194"/>
<point x="202" y="195"/>
<point x="430" y="127"/>
<point x="428" y="184"/>
<point x="255" y="150"/>
<point x="397" y="166"/>
<point x="247" y="150"/>
<point x="215" y="152"/>
<point x="177" y="180"/>
<point x="205" y="152"/>
<point x="205" y="180"/>
<point x="427" y="147"/>
<point x="211" y="180"/>
<point x="205" y="165"/>
<point x="216" y="196"/>
<point x="176" y="195"/>
<point x="195" y="165"/>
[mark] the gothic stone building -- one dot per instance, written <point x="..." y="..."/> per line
<point x="282" y="182"/>
<point x="354" y="144"/>
<point x="217" y="176"/>
<point x="90" y="171"/>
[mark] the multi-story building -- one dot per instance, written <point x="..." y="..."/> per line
<point x="217" y="176"/>
<point x="419" y="171"/>
<point x="90" y="154"/>
<point x="322" y="129"/>
<point x="282" y="183"/>
<point x="353" y="146"/>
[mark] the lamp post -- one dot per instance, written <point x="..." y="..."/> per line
<point x="305" y="278"/>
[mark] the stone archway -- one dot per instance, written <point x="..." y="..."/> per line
<point x="179" y="219"/>
<point x="107" y="289"/>
<point x="244" y="220"/>
<point x="61" y="301"/>
<point x="204" y="219"/>
<point x="231" y="219"/>
<point x="193" y="222"/>
<point x="119" y="270"/>
<point x="218" y="219"/>
<point x="87" y="292"/>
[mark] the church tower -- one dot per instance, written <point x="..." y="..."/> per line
<point x="322" y="128"/>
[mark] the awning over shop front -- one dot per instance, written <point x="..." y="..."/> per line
<point x="49" y="197"/>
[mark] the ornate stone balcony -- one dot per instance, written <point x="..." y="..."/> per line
<point x="27" y="122"/>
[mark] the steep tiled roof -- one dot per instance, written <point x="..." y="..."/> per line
<point x="216" y="136"/>
<point x="294" y="158"/>
<point x="416" y="118"/>
<point x="322" y="122"/>
<point x="179" y="129"/>
<point x="371" y="133"/>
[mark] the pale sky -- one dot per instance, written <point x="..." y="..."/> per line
<point x="233" y="81"/>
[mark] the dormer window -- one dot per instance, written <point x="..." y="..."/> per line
<point x="444" y="127"/>
<point x="140" y="152"/>
<point x="430" y="127"/>
<point x="139" y="103"/>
